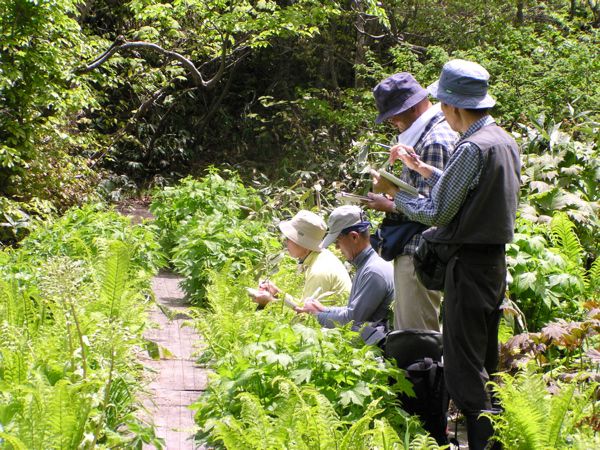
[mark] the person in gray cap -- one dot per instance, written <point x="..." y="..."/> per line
<point x="322" y="270"/>
<point x="373" y="285"/>
<point x="473" y="203"/>
<point x="402" y="101"/>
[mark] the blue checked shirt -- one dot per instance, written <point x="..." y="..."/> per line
<point x="449" y="188"/>
<point x="434" y="148"/>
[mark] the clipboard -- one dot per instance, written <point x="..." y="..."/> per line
<point x="405" y="187"/>
<point x="353" y="199"/>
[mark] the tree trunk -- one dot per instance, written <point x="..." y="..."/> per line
<point x="520" y="6"/>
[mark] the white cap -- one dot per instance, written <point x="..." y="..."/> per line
<point x="306" y="229"/>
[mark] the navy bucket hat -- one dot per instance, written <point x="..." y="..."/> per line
<point x="463" y="84"/>
<point x="396" y="94"/>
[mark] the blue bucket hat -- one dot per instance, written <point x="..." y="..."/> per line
<point x="463" y="84"/>
<point x="396" y="94"/>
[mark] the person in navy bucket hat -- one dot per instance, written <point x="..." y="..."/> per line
<point x="472" y="211"/>
<point x="404" y="104"/>
<point x="396" y="94"/>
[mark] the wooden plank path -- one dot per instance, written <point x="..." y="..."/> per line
<point x="178" y="381"/>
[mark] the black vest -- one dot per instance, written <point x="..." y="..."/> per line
<point x="487" y="215"/>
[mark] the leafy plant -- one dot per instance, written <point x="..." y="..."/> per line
<point x="304" y="418"/>
<point x="72" y="313"/>
<point x="566" y="349"/>
<point x="548" y="271"/>
<point x="534" y="418"/>
<point x="249" y="349"/>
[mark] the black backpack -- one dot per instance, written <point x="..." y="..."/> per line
<point x="419" y="353"/>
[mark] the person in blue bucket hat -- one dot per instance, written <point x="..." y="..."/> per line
<point x="473" y="204"/>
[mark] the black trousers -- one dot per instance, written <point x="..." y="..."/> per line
<point x="473" y="291"/>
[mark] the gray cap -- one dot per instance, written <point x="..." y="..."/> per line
<point x="463" y="84"/>
<point x="343" y="217"/>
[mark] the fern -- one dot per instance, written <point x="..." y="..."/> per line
<point x="533" y="419"/>
<point x="593" y="280"/>
<point x="423" y="442"/>
<point x="61" y="412"/>
<point x="384" y="437"/>
<point x="114" y="275"/>
<point x="355" y="436"/>
<point x="11" y="442"/>
<point x="563" y="236"/>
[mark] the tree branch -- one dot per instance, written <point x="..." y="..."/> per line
<point x="121" y="44"/>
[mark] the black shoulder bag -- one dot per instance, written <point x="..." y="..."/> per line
<point x="392" y="235"/>
<point x="430" y="260"/>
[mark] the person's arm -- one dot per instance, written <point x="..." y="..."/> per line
<point x="436" y="155"/>
<point x="366" y="298"/>
<point x="450" y="187"/>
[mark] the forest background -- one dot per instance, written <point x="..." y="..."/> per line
<point x="278" y="90"/>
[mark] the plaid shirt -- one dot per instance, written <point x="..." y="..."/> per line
<point x="450" y="187"/>
<point x="434" y="147"/>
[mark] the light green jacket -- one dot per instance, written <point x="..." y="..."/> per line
<point x="324" y="270"/>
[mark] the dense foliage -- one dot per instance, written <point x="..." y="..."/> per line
<point x="72" y="302"/>
<point x="99" y="97"/>
<point x="211" y="224"/>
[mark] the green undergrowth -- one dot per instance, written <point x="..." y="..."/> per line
<point x="279" y="380"/>
<point x="538" y="414"/>
<point x="208" y="223"/>
<point x="73" y="301"/>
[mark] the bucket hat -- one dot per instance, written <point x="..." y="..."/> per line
<point x="342" y="218"/>
<point x="306" y="229"/>
<point x="396" y="94"/>
<point x="463" y="84"/>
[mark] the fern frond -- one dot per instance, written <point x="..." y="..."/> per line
<point x="423" y="442"/>
<point x="114" y="275"/>
<point x="256" y="421"/>
<point x="11" y="442"/>
<point x="231" y="432"/>
<point x="322" y="420"/>
<point x="593" y="280"/>
<point x="563" y="236"/>
<point x="60" y="410"/>
<point x="15" y="366"/>
<point x="355" y="436"/>
<point x="384" y="437"/>
<point x="558" y="412"/>
<point x="522" y="423"/>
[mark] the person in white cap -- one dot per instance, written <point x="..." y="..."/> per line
<point x="373" y="285"/>
<point x="322" y="269"/>
<point x="473" y="203"/>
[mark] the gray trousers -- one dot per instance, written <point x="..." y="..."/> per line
<point x="473" y="291"/>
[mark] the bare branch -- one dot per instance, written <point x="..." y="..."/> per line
<point x="375" y="37"/>
<point x="121" y="44"/>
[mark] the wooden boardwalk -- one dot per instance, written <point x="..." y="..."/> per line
<point x="177" y="381"/>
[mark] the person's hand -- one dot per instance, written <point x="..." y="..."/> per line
<point x="410" y="159"/>
<point x="400" y="150"/>
<point x="382" y="185"/>
<point x="311" y="306"/>
<point x="379" y="203"/>
<point x="269" y="287"/>
<point x="263" y="297"/>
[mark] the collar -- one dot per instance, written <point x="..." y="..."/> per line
<point x="412" y="134"/>
<point x="307" y="261"/>
<point x="477" y="125"/>
<point x="362" y="256"/>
